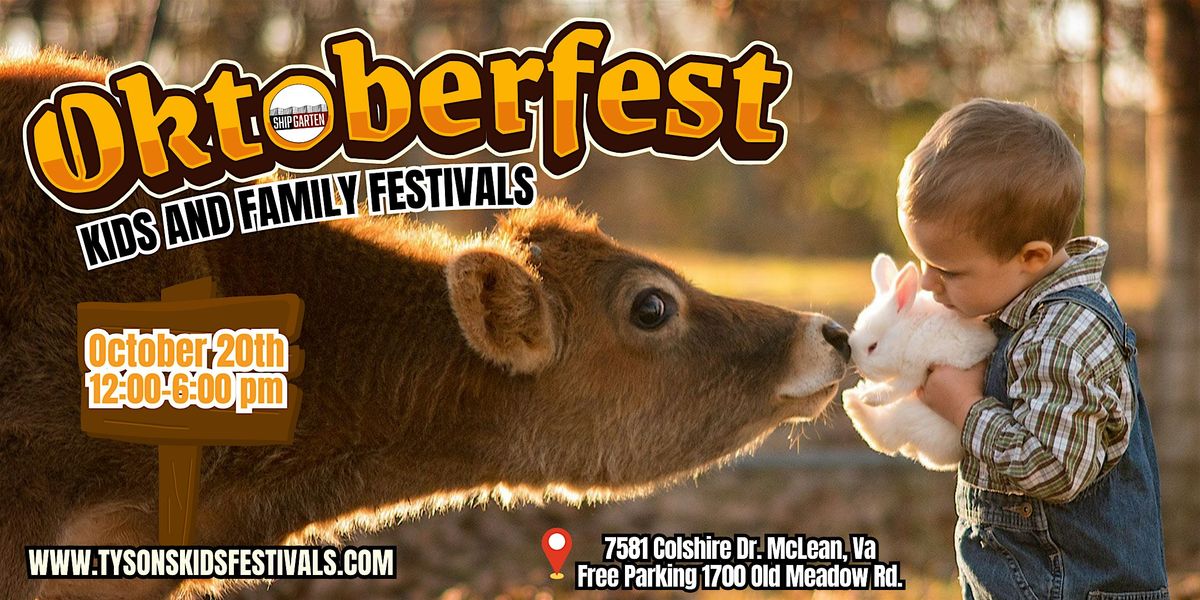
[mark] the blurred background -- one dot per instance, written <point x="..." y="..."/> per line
<point x="869" y="77"/>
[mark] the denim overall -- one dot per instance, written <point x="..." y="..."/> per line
<point x="1105" y="543"/>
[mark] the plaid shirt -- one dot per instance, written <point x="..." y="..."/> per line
<point x="1072" y="399"/>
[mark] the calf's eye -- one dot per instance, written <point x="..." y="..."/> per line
<point x="652" y="308"/>
<point x="872" y="347"/>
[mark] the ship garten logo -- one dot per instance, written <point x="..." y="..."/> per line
<point x="299" y="113"/>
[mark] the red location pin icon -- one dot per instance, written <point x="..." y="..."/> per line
<point x="556" y="543"/>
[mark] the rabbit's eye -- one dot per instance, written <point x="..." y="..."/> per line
<point x="872" y="347"/>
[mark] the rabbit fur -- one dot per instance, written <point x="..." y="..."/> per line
<point x="895" y="340"/>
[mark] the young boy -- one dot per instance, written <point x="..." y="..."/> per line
<point x="1058" y="488"/>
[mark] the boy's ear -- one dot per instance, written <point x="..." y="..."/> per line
<point x="907" y="284"/>
<point x="1036" y="255"/>
<point x="502" y="310"/>
<point x="883" y="273"/>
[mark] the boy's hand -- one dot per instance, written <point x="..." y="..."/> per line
<point x="951" y="392"/>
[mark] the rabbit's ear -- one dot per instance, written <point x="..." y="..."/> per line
<point x="883" y="272"/>
<point x="907" y="284"/>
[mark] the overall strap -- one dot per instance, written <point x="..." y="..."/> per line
<point x="995" y="383"/>
<point x="1108" y="313"/>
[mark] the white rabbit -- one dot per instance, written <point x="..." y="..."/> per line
<point x="895" y="340"/>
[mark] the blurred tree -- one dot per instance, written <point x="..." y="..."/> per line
<point x="1096" y="210"/>
<point x="1173" y="186"/>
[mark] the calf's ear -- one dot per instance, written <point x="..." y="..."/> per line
<point x="502" y="310"/>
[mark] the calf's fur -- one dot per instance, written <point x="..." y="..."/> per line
<point x="438" y="371"/>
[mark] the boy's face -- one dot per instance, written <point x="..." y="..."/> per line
<point x="961" y="273"/>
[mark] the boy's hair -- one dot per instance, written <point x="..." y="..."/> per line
<point x="1002" y="171"/>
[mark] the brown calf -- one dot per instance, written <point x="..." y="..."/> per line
<point x="542" y="360"/>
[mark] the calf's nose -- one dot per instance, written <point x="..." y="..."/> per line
<point x="838" y="338"/>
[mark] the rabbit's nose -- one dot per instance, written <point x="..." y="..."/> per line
<point x="838" y="338"/>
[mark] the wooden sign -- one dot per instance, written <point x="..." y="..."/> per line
<point x="181" y="433"/>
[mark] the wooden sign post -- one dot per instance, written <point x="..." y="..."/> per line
<point x="182" y="433"/>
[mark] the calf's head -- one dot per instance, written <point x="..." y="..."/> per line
<point x="631" y="375"/>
